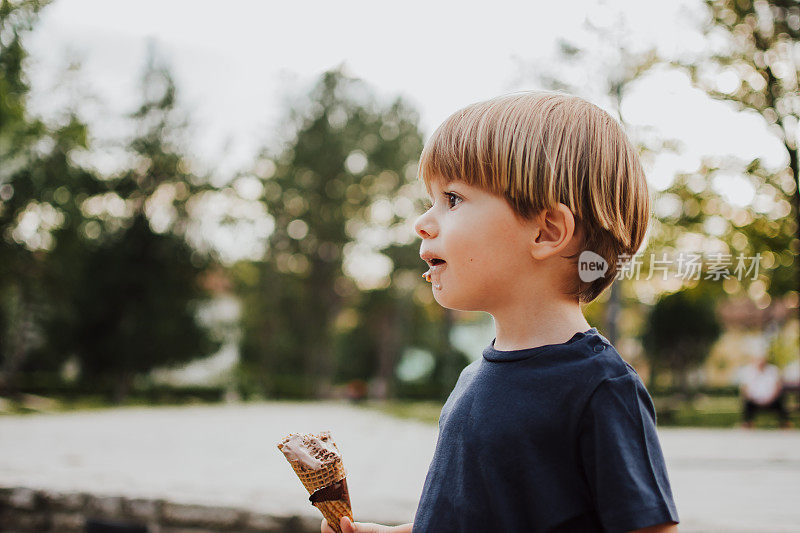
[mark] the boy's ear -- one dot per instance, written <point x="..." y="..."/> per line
<point x="553" y="230"/>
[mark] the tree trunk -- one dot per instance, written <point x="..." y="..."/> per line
<point x="612" y="312"/>
<point x="17" y="348"/>
<point x="321" y="359"/>
<point x="388" y="351"/>
<point x="795" y="166"/>
<point x="652" y="375"/>
<point x="122" y="388"/>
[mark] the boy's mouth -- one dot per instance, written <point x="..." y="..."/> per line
<point x="437" y="264"/>
<point x="431" y="258"/>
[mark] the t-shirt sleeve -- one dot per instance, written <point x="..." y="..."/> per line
<point x="622" y="457"/>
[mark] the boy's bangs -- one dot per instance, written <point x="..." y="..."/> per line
<point x="452" y="154"/>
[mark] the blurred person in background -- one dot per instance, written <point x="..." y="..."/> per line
<point x="761" y="387"/>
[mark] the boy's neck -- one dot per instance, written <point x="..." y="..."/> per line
<point x="538" y="323"/>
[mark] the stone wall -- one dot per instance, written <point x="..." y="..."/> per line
<point x="24" y="510"/>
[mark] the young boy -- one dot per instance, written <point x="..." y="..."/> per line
<point x="550" y="430"/>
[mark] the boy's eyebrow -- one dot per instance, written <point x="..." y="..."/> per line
<point x="445" y="182"/>
<point x="430" y="194"/>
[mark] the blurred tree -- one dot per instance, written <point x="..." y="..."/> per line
<point x="340" y="191"/>
<point x="758" y="239"/>
<point x="129" y="296"/>
<point x="679" y="332"/>
<point x="160" y="183"/>
<point x="36" y="176"/>
<point x="398" y="314"/>
<point x="397" y="310"/>
<point x="18" y="134"/>
<point x="752" y="61"/>
<point x="133" y="308"/>
<point x="60" y="187"/>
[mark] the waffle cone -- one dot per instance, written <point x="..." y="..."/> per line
<point x="334" y="510"/>
<point x="314" y="480"/>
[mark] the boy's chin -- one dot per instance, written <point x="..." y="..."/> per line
<point x="448" y="301"/>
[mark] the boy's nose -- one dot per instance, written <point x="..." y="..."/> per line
<point x="425" y="226"/>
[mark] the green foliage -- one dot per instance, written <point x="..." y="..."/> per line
<point x="346" y="171"/>
<point x="758" y="55"/>
<point x="33" y="164"/>
<point x="784" y="348"/>
<point x="98" y="285"/>
<point x="131" y="298"/>
<point x="16" y="19"/>
<point x="745" y="231"/>
<point x="131" y="308"/>
<point x="680" y="330"/>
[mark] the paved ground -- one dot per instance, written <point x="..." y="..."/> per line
<point x="723" y="480"/>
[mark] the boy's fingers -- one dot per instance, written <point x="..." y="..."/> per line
<point x="346" y="525"/>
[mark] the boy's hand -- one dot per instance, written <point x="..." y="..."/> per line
<point x="362" y="527"/>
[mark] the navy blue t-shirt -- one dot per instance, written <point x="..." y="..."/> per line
<point x="557" y="438"/>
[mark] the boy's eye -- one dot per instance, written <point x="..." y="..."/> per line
<point x="451" y="197"/>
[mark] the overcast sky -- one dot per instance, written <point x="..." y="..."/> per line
<point x="237" y="62"/>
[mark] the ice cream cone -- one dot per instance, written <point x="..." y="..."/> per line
<point x="318" y="464"/>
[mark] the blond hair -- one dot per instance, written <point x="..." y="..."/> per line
<point x="538" y="149"/>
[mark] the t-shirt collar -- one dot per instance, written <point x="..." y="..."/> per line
<point x="494" y="355"/>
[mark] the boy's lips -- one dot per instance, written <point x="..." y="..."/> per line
<point x="437" y="266"/>
<point x="431" y="258"/>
